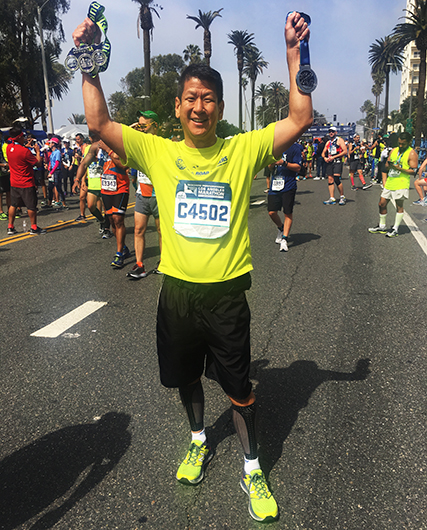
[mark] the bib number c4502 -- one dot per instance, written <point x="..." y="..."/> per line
<point x="202" y="209"/>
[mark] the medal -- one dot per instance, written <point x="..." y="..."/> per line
<point x="306" y="78"/>
<point x="91" y="58"/>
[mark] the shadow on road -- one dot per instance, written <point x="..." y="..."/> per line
<point x="301" y="239"/>
<point x="67" y="463"/>
<point x="281" y="394"/>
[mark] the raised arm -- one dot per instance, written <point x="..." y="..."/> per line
<point x="300" y="115"/>
<point x="96" y="111"/>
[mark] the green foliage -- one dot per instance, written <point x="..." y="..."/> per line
<point x="21" y="81"/>
<point x="225" y="129"/>
<point x="124" y="105"/>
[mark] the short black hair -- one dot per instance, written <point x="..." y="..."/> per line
<point x="15" y="131"/>
<point x="404" y="135"/>
<point x="204" y="73"/>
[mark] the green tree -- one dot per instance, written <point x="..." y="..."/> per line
<point x="21" y="81"/>
<point x="377" y="89"/>
<point x="242" y="41"/>
<point x="415" y="30"/>
<point x="254" y="65"/>
<point x="385" y="57"/>
<point x="368" y="108"/>
<point x="76" y="119"/>
<point x="145" y="21"/>
<point x="192" y="54"/>
<point x="225" y="129"/>
<point x="204" y="20"/>
<point x="279" y="97"/>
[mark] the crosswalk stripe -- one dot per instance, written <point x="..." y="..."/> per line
<point x="69" y="320"/>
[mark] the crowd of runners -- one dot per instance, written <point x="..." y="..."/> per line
<point x="58" y="170"/>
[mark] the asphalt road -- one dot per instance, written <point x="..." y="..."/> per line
<point x="91" y="441"/>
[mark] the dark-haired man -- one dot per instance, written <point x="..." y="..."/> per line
<point x="203" y="189"/>
<point x="333" y="153"/>
<point x="401" y="164"/>
<point x="22" y="184"/>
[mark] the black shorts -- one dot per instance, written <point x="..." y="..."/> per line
<point x="285" y="200"/>
<point x="4" y="183"/>
<point x="205" y="328"/>
<point x="333" y="168"/>
<point x="355" y="165"/>
<point x="115" y="204"/>
<point x="23" y="197"/>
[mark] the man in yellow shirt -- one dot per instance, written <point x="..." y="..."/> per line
<point x="401" y="164"/>
<point x="203" y="189"/>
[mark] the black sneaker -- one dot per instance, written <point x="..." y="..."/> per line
<point x="125" y="252"/>
<point x="11" y="231"/>
<point x="367" y="186"/>
<point x="37" y="231"/>
<point x="137" y="272"/>
<point x="106" y="234"/>
<point x="378" y="230"/>
<point x="392" y="233"/>
<point x="80" y="218"/>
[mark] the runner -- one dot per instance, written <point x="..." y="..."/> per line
<point x="115" y="196"/>
<point x="23" y="186"/>
<point x="401" y="164"/>
<point x="203" y="189"/>
<point x="282" y="193"/>
<point x="333" y="153"/>
<point x="145" y="202"/>
<point x="355" y="155"/>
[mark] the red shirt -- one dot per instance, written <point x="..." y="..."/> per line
<point x="21" y="162"/>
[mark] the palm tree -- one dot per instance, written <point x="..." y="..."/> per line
<point x="204" y="20"/>
<point x="254" y="64"/>
<point x="241" y="40"/>
<point x="192" y="54"/>
<point x="384" y="56"/>
<point x="377" y="89"/>
<point x="415" y="29"/>
<point x="278" y="96"/>
<point x="145" y="21"/>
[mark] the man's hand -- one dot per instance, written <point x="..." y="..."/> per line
<point x="86" y="33"/>
<point x="296" y="30"/>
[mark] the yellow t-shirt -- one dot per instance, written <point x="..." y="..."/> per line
<point x="397" y="180"/>
<point x="203" y="198"/>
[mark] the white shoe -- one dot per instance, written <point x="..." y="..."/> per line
<point x="279" y="237"/>
<point x="316" y="178"/>
<point x="283" y="245"/>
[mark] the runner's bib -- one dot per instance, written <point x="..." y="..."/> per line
<point x="278" y="184"/>
<point x="393" y="173"/>
<point x="109" y="183"/>
<point x="202" y="209"/>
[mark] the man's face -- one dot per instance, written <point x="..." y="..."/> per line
<point x="199" y="113"/>
<point x="403" y="144"/>
<point x="147" y="125"/>
<point x="357" y="138"/>
<point x="332" y="134"/>
<point x="79" y="140"/>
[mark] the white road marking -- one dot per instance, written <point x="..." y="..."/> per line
<point x="69" y="320"/>
<point x="416" y="232"/>
<point x="257" y="203"/>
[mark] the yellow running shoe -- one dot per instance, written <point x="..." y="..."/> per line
<point x="262" y="505"/>
<point x="192" y="469"/>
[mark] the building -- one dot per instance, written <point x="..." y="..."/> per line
<point x="411" y="67"/>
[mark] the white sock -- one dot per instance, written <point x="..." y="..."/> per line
<point x="201" y="436"/>
<point x="383" y="218"/>
<point x="251" y="465"/>
<point x="398" y="220"/>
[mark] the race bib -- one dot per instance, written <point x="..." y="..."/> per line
<point x="333" y="149"/>
<point x="202" y="209"/>
<point x="278" y="184"/>
<point x="109" y="183"/>
<point x="393" y="173"/>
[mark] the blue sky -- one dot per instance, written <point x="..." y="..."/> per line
<point x="341" y="34"/>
